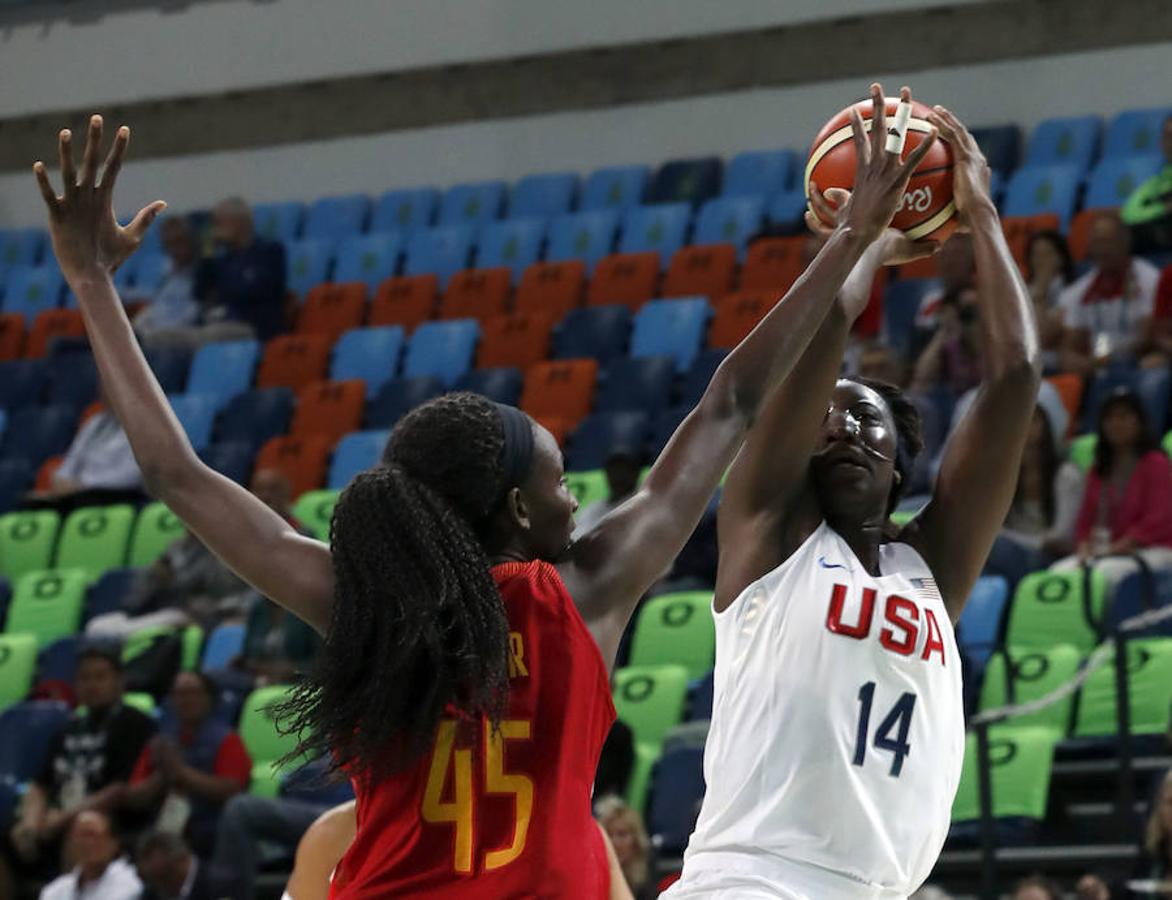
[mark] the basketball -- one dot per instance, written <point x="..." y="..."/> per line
<point x="927" y="211"/>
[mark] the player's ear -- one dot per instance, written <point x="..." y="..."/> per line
<point x="518" y="510"/>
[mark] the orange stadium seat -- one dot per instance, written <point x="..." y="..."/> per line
<point x="408" y="300"/>
<point x="301" y="459"/>
<point x="50" y="324"/>
<point x="1080" y="232"/>
<point x="332" y="309"/>
<point x="294" y="360"/>
<point x="738" y="314"/>
<point x="476" y="294"/>
<point x="1019" y="229"/>
<point x="519" y="340"/>
<point x="560" y="389"/>
<point x="11" y="336"/>
<point x="702" y="269"/>
<point x="551" y="287"/>
<point x="629" y="279"/>
<point x="46" y="472"/>
<point x="1069" y="388"/>
<point x="773" y="264"/>
<point x="330" y="409"/>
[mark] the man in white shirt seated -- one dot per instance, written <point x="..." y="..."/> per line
<point x="100" y="872"/>
<point x="172" y="308"/>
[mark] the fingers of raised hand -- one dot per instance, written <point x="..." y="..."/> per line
<point x="859" y="134"/>
<point x="917" y="155"/>
<point x="65" y="153"/>
<point x="47" y="192"/>
<point x="822" y="206"/>
<point x="141" y="222"/>
<point x="114" y="159"/>
<point x="816" y="225"/>
<point x="878" y="120"/>
<point x="89" y="159"/>
<point x="837" y="196"/>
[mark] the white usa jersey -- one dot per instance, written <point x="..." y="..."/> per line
<point x="837" y="731"/>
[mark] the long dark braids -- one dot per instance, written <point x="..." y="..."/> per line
<point x="418" y="624"/>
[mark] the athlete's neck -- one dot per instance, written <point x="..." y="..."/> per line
<point x="864" y="539"/>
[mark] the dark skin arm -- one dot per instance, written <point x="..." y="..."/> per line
<point x="255" y="542"/>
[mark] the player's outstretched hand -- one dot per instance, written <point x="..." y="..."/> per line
<point x="892" y="247"/>
<point x="86" y="236"/>
<point x="970" y="170"/>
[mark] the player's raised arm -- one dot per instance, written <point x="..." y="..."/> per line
<point x="613" y="565"/>
<point x="248" y="536"/>
<point x="978" y="473"/>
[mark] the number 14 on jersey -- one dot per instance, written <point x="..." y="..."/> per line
<point x="898" y="720"/>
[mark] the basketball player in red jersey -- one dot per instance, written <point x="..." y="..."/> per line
<point x="464" y="679"/>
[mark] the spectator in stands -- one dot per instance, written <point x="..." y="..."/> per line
<point x="623" y="467"/>
<point x="188" y="771"/>
<point x="1040" y="526"/>
<point x="624" y="826"/>
<point x="173" y="308"/>
<point x="1157" y="331"/>
<point x="99" y="871"/>
<point x="1037" y="887"/>
<point x="1149" y="209"/>
<point x="1103" y="312"/>
<point x="170" y="871"/>
<point x="1158" y="839"/>
<point x="242" y="287"/>
<point x="1049" y="271"/>
<point x="1127" y="505"/>
<point x="956" y="269"/>
<point x="278" y="646"/>
<point x="1092" y="887"/>
<point x="952" y="358"/>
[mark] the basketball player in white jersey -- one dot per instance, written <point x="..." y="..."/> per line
<point x="837" y="732"/>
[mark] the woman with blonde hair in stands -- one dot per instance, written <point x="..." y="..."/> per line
<point x="624" y="826"/>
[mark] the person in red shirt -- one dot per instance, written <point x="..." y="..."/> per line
<point x="1157" y="340"/>
<point x="192" y="767"/>
<point x="464" y="680"/>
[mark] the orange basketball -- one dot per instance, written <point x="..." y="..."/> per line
<point x="927" y="210"/>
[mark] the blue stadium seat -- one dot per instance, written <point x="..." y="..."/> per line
<point x="1039" y="189"/>
<point x="22" y="246"/>
<point x="730" y="220"/>
<point x="150" y="271"/>
<point x="1155" y="386"/>
<point x="617" y="188"/>
<point x="253" y="417"/>
<point x="110" y="593"/>
<point x="695" y="381"/>
<point x="22" y="382"/>
<point x="196" y="413"/>
<point x="3" y="420"/>
<point x="356" y="452"/>
<point x="901" y="302"/>
<point x="369" y="258"/>
<point x="307" y="263"/>
<point x="757" y="173"/>
<point x="223" y="369"/>
<point x="337" y="217"/>
<point x="677" y="788"/>
<point x="661" y="228"/>
<point x="32" y="289"/>
<point x="278" y="221"/>
<point x="73" y="381"/>
<point x="223" y="645"/>
<point x="58" y="661"/>
<point x="26" y="731"/>
<point x="673" y="327"/>
<point x="398" y="397"/>
<point x="405" y="210"/>
<point x="979" y="628"/>
<point x="371" y="354"/>
<point x="643" y="384"/>
<point x="443" y="251"/>
<point x="787" y="208"/>
<point x="690" y="181"/>
<point x="473" y="203"/>
<point x="701" y="697"/>
<point x="544" y="195"/>
<point x="1001" y="145"/>
<point x="442" y="349"/>
<point x="1136" y="132"/>
<point x="600" y="332"/>
<point x="663" y="427"/>
<point x="500" y="384"/>
<point x="1115" y="178"/>
<point x="1069" y="141"/>
<point x="587" y="235"/>
<point x="604" y="433"/>
<point x="16" y="478"/>
<point x="232" y="459"/>
<point x="36" y="433"/>
<point x="1137" y="594"/>
<point x="170" y="365"/>
<point x="313" y="783"/>
<point x="513" y="244"/>
<point x="1152" y="386"/>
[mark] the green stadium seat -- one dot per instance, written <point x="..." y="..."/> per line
<point x="646" y="756"/>
<point x="1025" y="674"/>
<point x="18" y="663"/>
<point x="192" y="647"/>
<point x="191" y="640"/>
<point x="142" y="702"/>
<point x="1082" y="450"/>
<point x="676" y="628"/>
<point x="1149" y="689"/>
<point x="266" y="779"/>
<point x="314" y="510"/>
<point x="26" y="541"/>
<point x="95" y="539"/>
<point x="157" y="529"/>
<point x="589" y="487"/>
<point x="1020" y="761"/>
<point x="1168" y="443"/>
<point x="650" y="699"/>
<point x="258" y="728"/>
<point x="47" y="604"/>
<point x="1048" y="609"/>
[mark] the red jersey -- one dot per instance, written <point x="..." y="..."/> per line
<point x="506" y="814"/>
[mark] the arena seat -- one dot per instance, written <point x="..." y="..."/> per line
<point x="50" y="325"/>
<point x="36" y="433"/>
<point x="223" y="369"/>
<point x="355" y="452"/>
<point x="1043" y="189"/>
<point x="170" y="365"/>
<point x="332" y="308"/>
<point x="690" y="181"/>
<point x="109" y="593"/>
<point x="600" y="332"/>
<point x="150" y="271"/>
<point x="676" y="629"/>
<point x="1049" y="608"/>
<point x="1020" y="762"/>
<point x="650" y="699"/>
<point x="337" y="217"/>
<point x="30" y="290"/>
<point x="1136" y="594"/>
<point x="1001" y="145"/>
<point x="442" y="251"/>
<point x="300" y="459"/>
<point x="22" y="382"/>
<point x="224" y="644"/>
<point x="472" y="203"/>
<point x="677" y="789"/>
<point x="315" y="509"/>
<point x="408" y="300"/>
<point x="663" y="427"/>
<point x="1135" y="132"/>
<point x="255" y="416"/>
<point x="672" y="327"/>
<point x="587" y="487"/>
<point x="196" y="413"/>
<point x="1069" y="387"/>
<point x="603" y="433"/>
<point x="979" y="626"/>
<point x="562" y="389"/>
<point x="27" y="540"/>
<point x="588" y="235"/>
<point x="502" y="384"/>
<point x="398" y="397"/>
<point x="232" y="459"/>
<point x="617" y="188"/>
<point x="278" y="221"/>
<point x="737" y="314"/>
<point x="1115" y="179"/>
<point x="368" y="258"/>
<point x="18" y="661"/>
<point x="16" y="477"/>
<point x="58" y="661"/>
<point x="22" y="246"/>
<point x="695" y="380"/>
<point x="786" y="209"/>
<point x="514" y="244"/>
<point x="729" y="220"/>
<point x="294" y="360"/>
<point x="258" y="729"/>
<point x="643" y="384"/>
<point x="405" y="210"/>
<point x="627" y="278"/>
<point x="901" y="303"/>
<point x="661" y="228"/>
<point x="47" y="604"/>
<point x="371" y="354"/>
<point x="759" y="173"/>
<point x="95" y="539"/>
<point x="476" y="294"/>
<point x="1149" y="692"/>
<point x="773" y="264"/>
<point x="547" y="194"/>
<point x="156" y="528"/>
<point x="442" y="349"/>
<point x="1019" y="675"/>
<point x="1071" y="141"/>
<point x="329" y="409"/>
<point x="307" y="262"/>
<point x="1019" y="229"/>
<point x="519" y="340"/>
<point x="1082" y="451"/>
<point x="72" y="381"/>
<point x="1152" y="386"/>
<point x="551" y="288"/>
<point x="701" y="270"/>
<point x="12" y="336"/>
<point x="26" y="733"/>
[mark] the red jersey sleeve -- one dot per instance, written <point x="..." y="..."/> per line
<point x="233" y="761"/>
<point x="144" y="767"/>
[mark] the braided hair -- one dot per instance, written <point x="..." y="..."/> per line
<point x="418" y="624"/>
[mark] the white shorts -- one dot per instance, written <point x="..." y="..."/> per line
<point x="738" y="876"/>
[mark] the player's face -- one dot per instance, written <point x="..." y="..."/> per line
<point x="548" y="501"/>
<point x="854" y="464"/>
